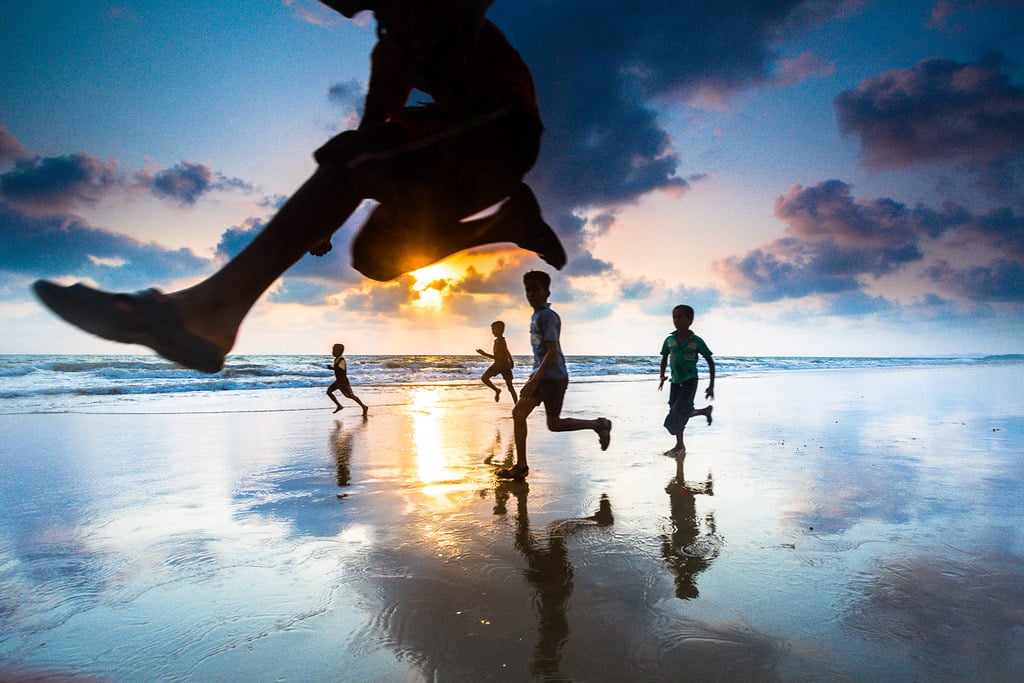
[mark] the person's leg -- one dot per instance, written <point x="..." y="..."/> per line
<point x="681" y="396"/>
<point x="520" y="413"/>
<point x="705" y="411"/>
<point x="454" y="171"/>
<point x="214" y="308"/>
<point x="553" y="400"/>
<point x="346" y="390"/>
<point x="486" y="379"/>
<point x="330" y="394"/>
<point x="197" y="326"/>
<point x="507" y="374"/>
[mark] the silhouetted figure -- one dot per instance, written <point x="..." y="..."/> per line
<point x="341" y="382"/>
<point x="548" y="572"/>
<point x="549" y="380"/>
<point x="687" y="551"/>
<point x="429" y="166"/>
<point x="503" y="362"/>
<point x="341" y="442"/>
<point x="683" y="347"/>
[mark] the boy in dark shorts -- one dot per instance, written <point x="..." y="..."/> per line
<point x="549" y="380"/>
<point x="341" y="382"/>
<point x="429" y="166"/>
<point x="683" y="347"/>
<point x="503" y="362"/>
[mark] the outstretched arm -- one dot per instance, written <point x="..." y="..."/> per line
<point x="484" y="353"/>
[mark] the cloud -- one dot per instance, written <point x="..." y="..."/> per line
<point x="313" y="12"/>
<point x="350" y="95"/>
<point x="55" y="184"/>
<point x="186" y="182"/>
<point x="836" y="244"/>
<point x="937" y="111"/>
<point x="1001" y="281"/>
<point x="60" y="246"/>
<point x="801" y="68"/>
<point x="11" y="149"/>
<point x="600" y="67"/>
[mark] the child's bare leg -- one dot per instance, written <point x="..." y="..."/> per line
<point x="330" y="395"/>
<point x="602" y="426"/>
<point x="214" y="308"/>
<point x="486" y="379"/>
<point x="362" y="405"/>
<point x="511" y="390"/>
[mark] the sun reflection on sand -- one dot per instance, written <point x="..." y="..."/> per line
<point x="434" y="467"/>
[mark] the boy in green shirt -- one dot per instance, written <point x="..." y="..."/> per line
<point x="683" y="346"/>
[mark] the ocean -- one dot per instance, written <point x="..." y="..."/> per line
<point x="40" y="383"/>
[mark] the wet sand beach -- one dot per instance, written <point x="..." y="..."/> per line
<point x="857" y="525"/>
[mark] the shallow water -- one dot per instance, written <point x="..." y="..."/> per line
<point x="857" y="525"/>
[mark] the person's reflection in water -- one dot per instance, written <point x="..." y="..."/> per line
<point x="548" y="572"/>
<point x="341" y="443"/>
<point x="687" y="550"/>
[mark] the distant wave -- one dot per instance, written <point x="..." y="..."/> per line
<point x="24" y="376"/>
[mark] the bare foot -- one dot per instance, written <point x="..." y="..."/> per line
<point x="604" y="432"/>
<point x="339" y="408"/>
<point x="707" y="414"/>
<point x="497" y="395"/>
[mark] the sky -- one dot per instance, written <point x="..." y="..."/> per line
<point x="815" y="178"/>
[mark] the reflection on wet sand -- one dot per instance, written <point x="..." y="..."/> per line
<point x="341" y="443"/>
<point x="688" y="550"/>
<point x="548" y="571"/>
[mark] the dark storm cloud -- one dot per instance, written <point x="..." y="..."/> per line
<point x="1001" y="281"/>
<point x="598" y="65"/>
<point x="55" y="246"/>
<point x="55" y="184"/>
<point x="836" y="243"/>
<point x="939" y="110"/>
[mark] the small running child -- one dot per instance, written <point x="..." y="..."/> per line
<point x="503" y="362"/>
<point x="683" y="346"/>
<point x="341" y="382"/>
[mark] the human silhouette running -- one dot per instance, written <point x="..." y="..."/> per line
<point x="429" y="166"/>
<point x="341" y="383"/>
<point x="680" y="351"/>
<point x="503" y="362"/>
<point x="549" y="380"/>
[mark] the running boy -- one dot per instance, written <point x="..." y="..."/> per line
<point x="429" y="166"/>
<point x="549" y="380"/>
<point x="683" y="346"/>
<point x="503" y="362"/>
<point x="341" y="383"/>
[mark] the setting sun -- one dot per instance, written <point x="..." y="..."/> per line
<point x="432" y="282"/>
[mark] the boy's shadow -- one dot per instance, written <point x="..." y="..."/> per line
<point x="548" y="571"/>
<point x="689" y="550"/>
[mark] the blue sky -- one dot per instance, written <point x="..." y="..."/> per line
<point x="816" y="178"/>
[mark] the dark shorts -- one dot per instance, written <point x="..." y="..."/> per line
<point x="680" y="405"/>
<point x="478" y="155"/>
<point x="344" y="387"/>
<point x="495" y="369"/>
<point x="551" y="392"/>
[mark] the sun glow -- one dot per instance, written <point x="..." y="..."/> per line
<point x="432" y="282"/>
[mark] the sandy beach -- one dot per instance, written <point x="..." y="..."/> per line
<point x="860" y="525"/>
